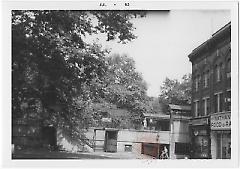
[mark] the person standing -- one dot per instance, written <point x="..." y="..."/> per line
<point x="164" y="154"/>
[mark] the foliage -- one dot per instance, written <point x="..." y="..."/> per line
<point x="176" y="92"/>
<point x="122" y="94"/>
<point x="53" y="70"/>
<point x="157" y="106"/>
<point x="125" y="87"/>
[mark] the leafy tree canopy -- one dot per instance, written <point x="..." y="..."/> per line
<point x="124" y="87"/>
<point x="55" y="74"/>
<point x="176" y="92"/>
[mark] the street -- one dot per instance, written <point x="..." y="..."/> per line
<point x="40" y="154"/>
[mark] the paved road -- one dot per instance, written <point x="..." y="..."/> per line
<point x="55" y="155"/>
<point x="121" y="155"/>
<point x="65" y="155"/>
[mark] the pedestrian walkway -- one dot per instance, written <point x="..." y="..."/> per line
<point x="120" y="155"/>
<point x="43" y="154"/>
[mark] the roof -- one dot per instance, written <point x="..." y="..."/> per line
<point x="111" y="129"/>
<point x="224" y="32"/>
<point x="223" y="28"/>
<point x="162" y="116"/>
<point x="179" y="107"/>
<point x="107" y="129"/>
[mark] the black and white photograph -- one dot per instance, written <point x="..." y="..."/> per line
<point x="123" y="83"/>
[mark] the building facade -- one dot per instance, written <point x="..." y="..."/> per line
<point x="175" y="121"/>
<point x="210" y="125"/>
<point x="169" y="130"/>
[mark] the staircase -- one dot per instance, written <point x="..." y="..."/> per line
<point x="81" y="144"/>
<point x="87" y="143"/>
<point x="84" y="143"/>
<point x="99" y="148"/>
<point x="95" y="145"/>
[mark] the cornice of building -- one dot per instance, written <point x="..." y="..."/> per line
<point x="216" y="38"/>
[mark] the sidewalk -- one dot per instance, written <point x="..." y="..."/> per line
<point x="120" y="155"/>
<point x="43" y="154"/>
<point x="40" y="154"/>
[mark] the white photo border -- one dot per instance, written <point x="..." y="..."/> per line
<point x="133" y="5"/>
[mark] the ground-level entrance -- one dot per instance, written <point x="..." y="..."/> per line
<point x="222" y="147"/>
<point x="221" y="135"/>
<point x="110" y="142"/>
<point x="200" y="138"/>
<point x="154" y="149"/>
<point x="49" y="136"/>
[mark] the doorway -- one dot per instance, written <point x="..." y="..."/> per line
<point x="224" y="145"/>
<point x="49" y="136"/>
<point x="110" y="144"/>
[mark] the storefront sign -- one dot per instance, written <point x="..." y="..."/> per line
<point x="221" y="121"/>
<point x="202" y="121"/>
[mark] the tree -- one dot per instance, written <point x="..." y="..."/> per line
<point x="125" y="86"/>
<point x="54" y="72"/>
<point x="157" y="106"/>
<point x="176" y="92"/>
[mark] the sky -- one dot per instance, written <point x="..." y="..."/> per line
<point x="165" y="39"/>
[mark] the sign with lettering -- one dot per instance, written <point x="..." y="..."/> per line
<point x="201" y="121"/>
<point x="221" y="121"/>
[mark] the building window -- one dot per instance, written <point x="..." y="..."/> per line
<point x="229" y="68"/>
<point x="197" y="83"/>
<point x="205" y="60"/>
<point x="196" y="108"/>
<point x="218" y="71"/>
<point x="228" y="100"/>
<point x="206" y="106"/>
<point x="224" y="145"/>
<point x="218" y="102"/>
<point x="206" y="79"/>
<point x="128" y="148"/>
<point x="229" y="65"/>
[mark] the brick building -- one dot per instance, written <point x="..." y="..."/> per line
<point x="210" y="125"/>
